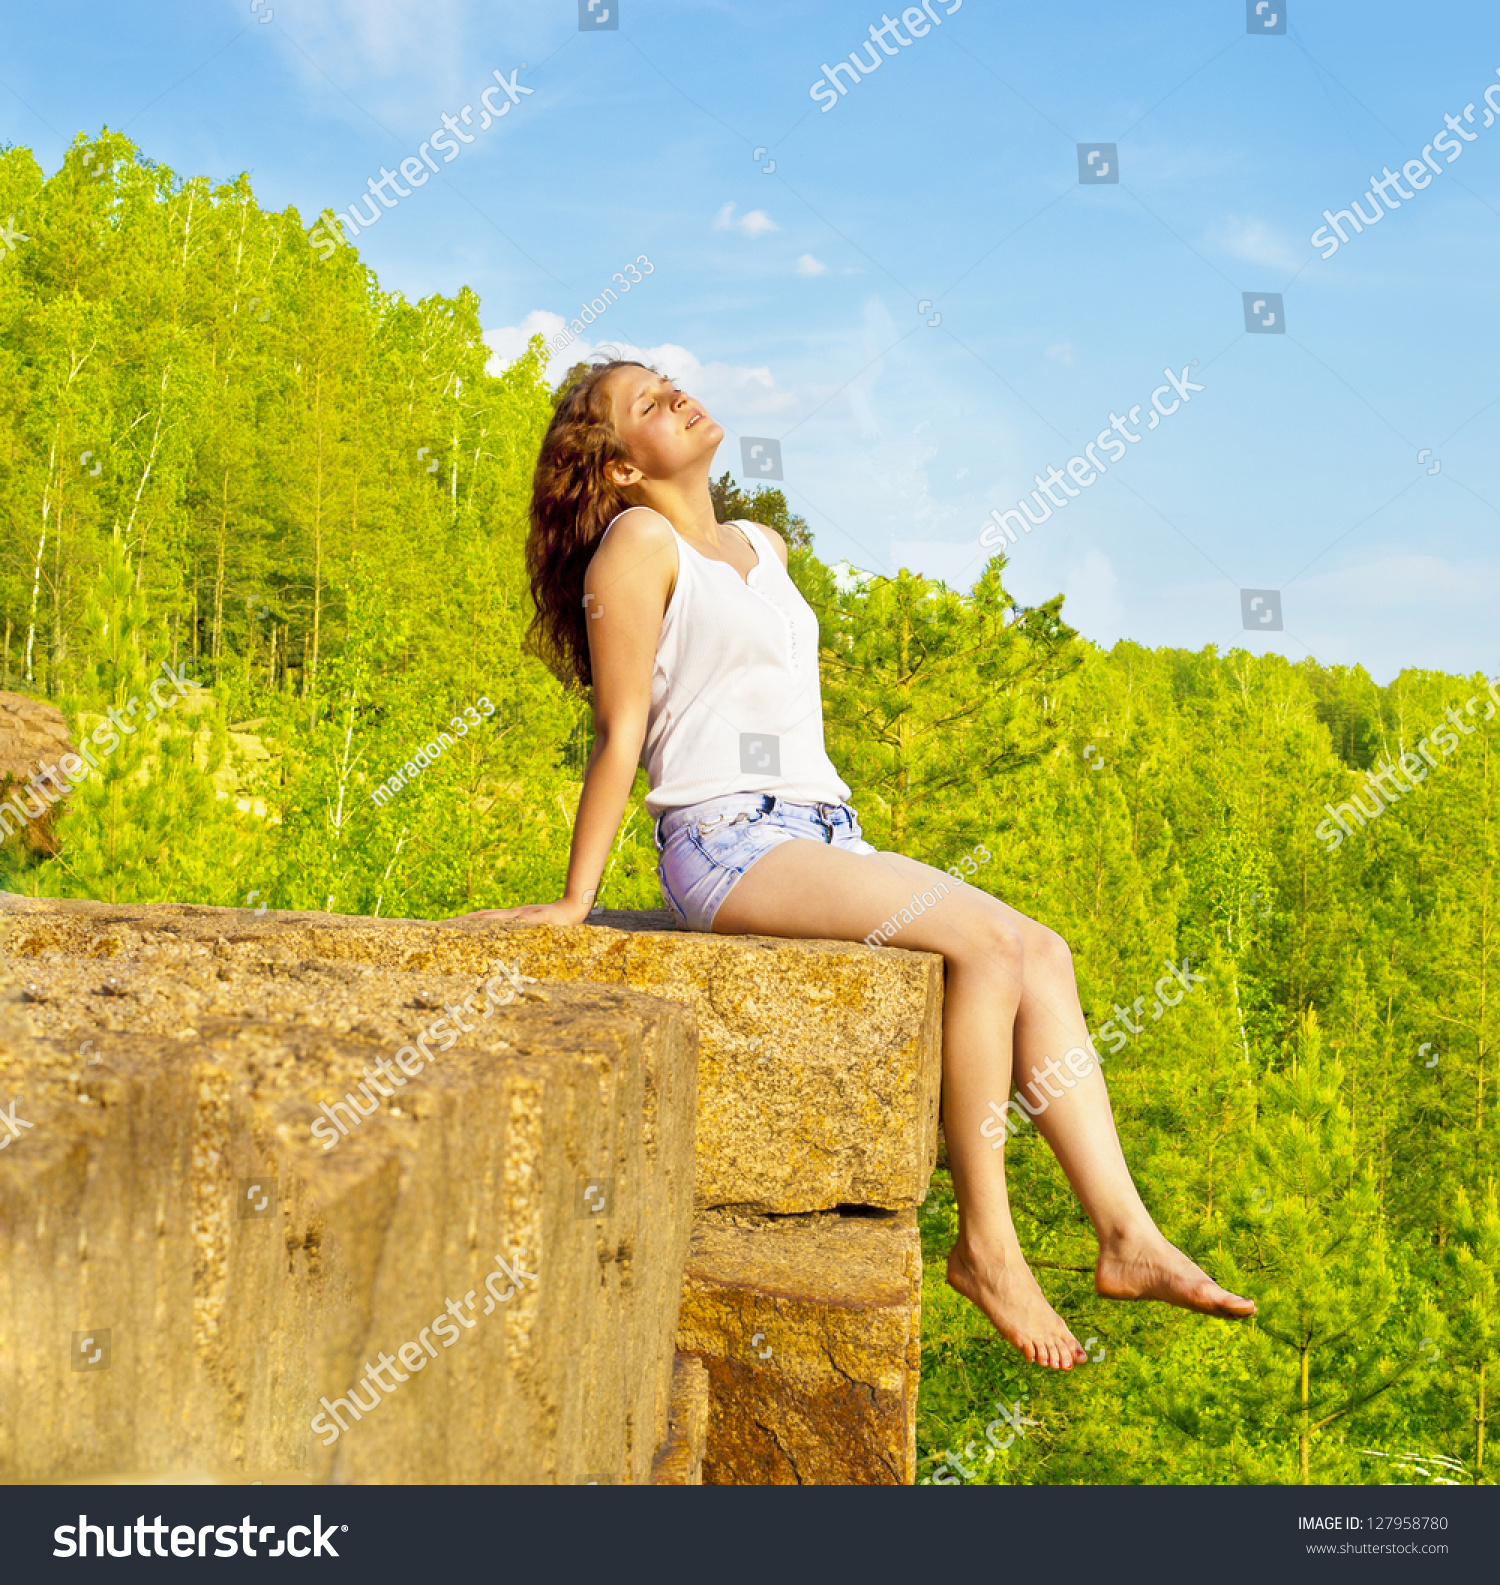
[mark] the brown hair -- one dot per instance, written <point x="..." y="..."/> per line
<point x="572" y="503"/>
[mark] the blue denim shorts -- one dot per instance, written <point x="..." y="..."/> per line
<point x="704" y="848"/>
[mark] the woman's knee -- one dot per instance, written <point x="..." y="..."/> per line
<point x="1047" y="954"/>
<point x="994" y="943"/>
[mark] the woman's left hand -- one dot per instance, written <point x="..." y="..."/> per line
<point x="558" y="913"/>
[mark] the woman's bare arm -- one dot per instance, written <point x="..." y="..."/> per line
<point x="626" y="589"/>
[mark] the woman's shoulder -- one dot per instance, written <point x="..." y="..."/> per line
<point x="639" y="543"/>
<point x="639" y="526"/>
<point x="777" y="543"/>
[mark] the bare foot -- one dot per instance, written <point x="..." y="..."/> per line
<point x="1017" y="1308"/>
<point x="1148" y="1267"/>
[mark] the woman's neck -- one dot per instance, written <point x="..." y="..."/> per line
<point x="686" y="505"/>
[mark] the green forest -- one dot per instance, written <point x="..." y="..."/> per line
<point x="225" y="454"/>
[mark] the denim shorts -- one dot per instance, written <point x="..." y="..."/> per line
<point x="704" y="848"/>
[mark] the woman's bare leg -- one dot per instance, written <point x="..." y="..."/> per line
<point x="808" y="889"/>
<point x="1006" y="975"/>
<point x="1135" y="1260"/>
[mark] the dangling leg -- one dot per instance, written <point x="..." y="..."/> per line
<point x="1004" y="971"/>
<point x="804" y="889"/>
<point x="1135" y="1260"/>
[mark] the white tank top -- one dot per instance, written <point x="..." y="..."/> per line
<point x="735" y="700"/>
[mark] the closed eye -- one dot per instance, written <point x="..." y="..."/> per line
<point x="675" y="393"/>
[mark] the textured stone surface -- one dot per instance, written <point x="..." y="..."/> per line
<point x="819" y="1061"/>
<point x="810" y="1329"/>
<point x="818" y="1087"/>
<point x="680" y="1460"/>
<point x="161" y="1063"/>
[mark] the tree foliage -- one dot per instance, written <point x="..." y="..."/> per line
<point x="223" y="454"/>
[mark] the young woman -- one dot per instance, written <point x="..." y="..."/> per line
<point x="703" y="660"/>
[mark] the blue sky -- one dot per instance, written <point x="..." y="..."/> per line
<point x="792" y="249"/>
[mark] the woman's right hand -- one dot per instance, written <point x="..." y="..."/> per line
<point x="562" y="912"/>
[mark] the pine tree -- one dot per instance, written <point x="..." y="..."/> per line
<point x="1308" y="1244"/>
<point x="1471" y="1298"/>
<point x="930" y="695"/>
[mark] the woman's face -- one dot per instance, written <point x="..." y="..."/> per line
<point x="665" y="431"/>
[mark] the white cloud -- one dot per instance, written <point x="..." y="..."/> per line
<point x="755" y="224"/>
<point x="509" y="341"/>
<point x="1256" y="243"/>
<point x="808" y="265"/>
<point x="731" y="392"/>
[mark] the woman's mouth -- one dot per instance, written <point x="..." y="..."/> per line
<point x="694" y="419"/>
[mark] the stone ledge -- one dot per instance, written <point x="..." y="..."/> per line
<point x="819" y="1061"/>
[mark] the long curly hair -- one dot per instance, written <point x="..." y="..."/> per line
<point x="572" y="503"/>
